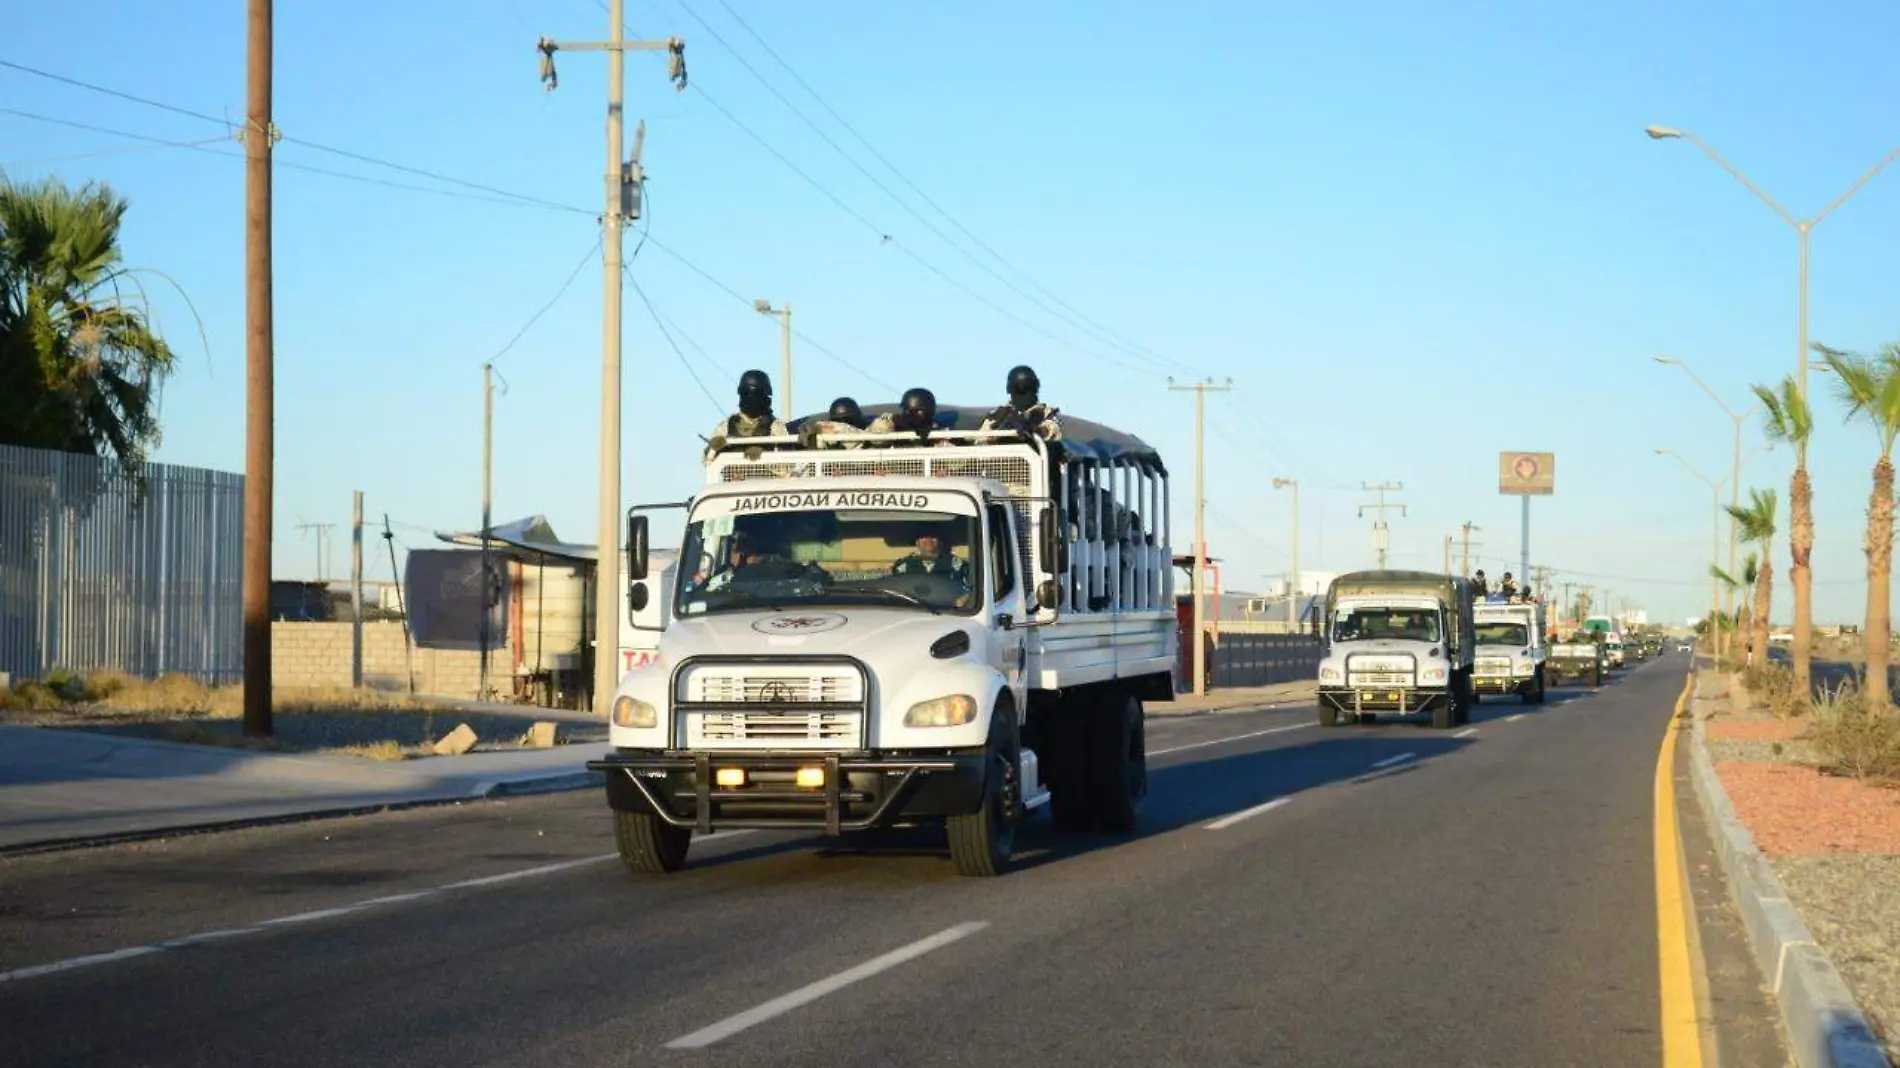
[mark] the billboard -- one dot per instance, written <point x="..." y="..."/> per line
<point x="1527" y="473"/>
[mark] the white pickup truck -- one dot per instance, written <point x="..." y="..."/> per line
<point x="1511" y="650"/>
<point x="888" y="630"/>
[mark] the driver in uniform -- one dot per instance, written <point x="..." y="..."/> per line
<point x="931" y="559"/>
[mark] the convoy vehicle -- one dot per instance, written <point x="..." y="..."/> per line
<point x="878" y="630"/>
<point x="1397" y="641"/>
<point x="1613" y="654"/>
<point x="1511" y="650"/>
<point x="1576" y="660"/>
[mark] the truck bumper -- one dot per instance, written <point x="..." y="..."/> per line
<point x="1373" y="699"/>
<point x="861" y="790"/>
<point x="1517" y="684"/>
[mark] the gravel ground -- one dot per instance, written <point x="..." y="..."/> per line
<point x="1760" y="752"/>
<point x="342" y="730"/>
<point x="1852" y="903"/>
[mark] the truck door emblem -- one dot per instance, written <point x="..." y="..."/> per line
<point x="775" y="693"/>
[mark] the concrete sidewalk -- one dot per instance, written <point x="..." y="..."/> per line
<point x="1301" y="692"/>
<point x="63" y="786"/>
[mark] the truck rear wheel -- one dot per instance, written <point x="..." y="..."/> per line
<point x="649" y="845"/>
<point x="982" y="841"/>
<point x="1117" y="761"/>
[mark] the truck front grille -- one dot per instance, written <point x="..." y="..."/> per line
<point x="774" y="727"/>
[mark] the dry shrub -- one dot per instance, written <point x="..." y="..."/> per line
<point x="171" y="695"/>
<point x="29" y="696"/>
<point x="1772" y="689"/>
<point x="383" y="750"/>
<point x="1855" y="738"/>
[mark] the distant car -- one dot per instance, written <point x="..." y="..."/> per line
<point x="1684" y="647"/>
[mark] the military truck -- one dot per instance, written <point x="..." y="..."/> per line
<point x="1397" y="642"/>
<point x="1578" y="660"/>
<point x="1511" y="650"/>
<point x="876" y="630"/>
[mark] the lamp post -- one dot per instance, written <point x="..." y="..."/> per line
<point x="1294" y="602"/>
<point x="784" y="313"/>
<point x="1715" y="532"/>
<point x="1735" y="464"/>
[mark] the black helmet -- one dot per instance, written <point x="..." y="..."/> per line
<point x="1023" y="385"/>
<point x="918" y="409"/>
<point x="845" y="410"/>
<point x="755" y="393"/>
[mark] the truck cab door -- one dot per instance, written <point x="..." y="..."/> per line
<point x="1008" y="600"/>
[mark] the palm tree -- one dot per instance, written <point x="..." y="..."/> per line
<point x="80" y="364"/>
<point x="1788" y="419"/>
<point x="1756" y="521"/>
<point x="1870" y="387"/>
<point x="1736" y="623"/>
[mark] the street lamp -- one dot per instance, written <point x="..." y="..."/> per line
<point x="764" y="307"/>
<point x="1802" y="227"/>
<point x="1715" y="532"/>
<point x="1294" y="603"/>
<point x="1735" y="464"/>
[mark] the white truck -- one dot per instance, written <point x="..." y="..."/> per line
<point x="888" y="630"/>
<point x="1511" y="650"/>
<point x="1399" y="642"/>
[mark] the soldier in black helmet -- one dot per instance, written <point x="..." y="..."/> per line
<point x="1025" y="410"/>
<point x="842" y="417"/>
<point x="754" y="419"/>
<point x="915" y="414"/>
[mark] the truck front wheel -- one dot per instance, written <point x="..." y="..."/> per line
<point x="1118" y="761"/>
<point x="649" y="845"/>
<point x="1535" y="695"/>
<point x="981" y="842"/>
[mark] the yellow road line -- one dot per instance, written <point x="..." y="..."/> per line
<point x="1681" y="1035"/>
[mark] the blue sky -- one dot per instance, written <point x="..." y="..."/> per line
<point x="1414" y="235"/>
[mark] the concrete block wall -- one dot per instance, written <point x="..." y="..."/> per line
<point x="318" y="654"/>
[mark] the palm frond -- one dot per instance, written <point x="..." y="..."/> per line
<point x="1787" y="417"/>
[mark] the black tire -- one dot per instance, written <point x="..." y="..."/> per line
<point x="982" y="842"/>
<point x="1537" y="694"/>
<point x="1596" y="679"/>
<point x="1118" y="761"/>
<point x="1445" y="713"/>
<point x="649" y="845"/>
<point x="1328" y="715"/>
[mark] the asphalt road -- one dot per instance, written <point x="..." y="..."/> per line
<point x="1386" y="895"/>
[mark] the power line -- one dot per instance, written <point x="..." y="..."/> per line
<point x="925" y="197"/>
<point x="148" y="102"/>
<point x="667" y="334"/>
<point x="898" y="200"/>
<point x="552" y="301"/>
<point x="436" y="176"/>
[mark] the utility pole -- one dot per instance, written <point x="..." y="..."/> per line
<point x="321" y="530"/>
<point x="1200" y="390"/>
<point x="1381" y="535"/>
<point x="1467" y="527"/>
<point x="356" y="590"/>
<point x="624" y="181"/>
<point x="784" y="313"/>
<point x="1295" y="614"/>
<point x="488" y="522"/>
<point x="1447" y="554"/>
<point x="260" y="402"/>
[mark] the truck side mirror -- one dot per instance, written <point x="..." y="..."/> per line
<point x="636" y="547"/>
<point x="1048" y="595"/>
<point x="637" y="597"/>
<point x="1046" y="546"/>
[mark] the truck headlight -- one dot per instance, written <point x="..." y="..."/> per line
<point x="632" y="712"/>
<point x="1329" y="674"/>
<point x="1524" y="667"/>
<point x="952" y="711"/>
<point x="1432" y="674"/>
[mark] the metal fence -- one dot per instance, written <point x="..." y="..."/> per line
<point x="1254" y="659"/>
<point x="100" y="570"/>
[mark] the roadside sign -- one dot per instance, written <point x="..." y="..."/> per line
<point x="1527" y="473"/>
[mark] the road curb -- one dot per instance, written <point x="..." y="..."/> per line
<point x="527" y="785"/>
<point x="1825" y="1025"/>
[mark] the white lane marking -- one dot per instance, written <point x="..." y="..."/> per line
<point x="1246" y="813"/>
<point x="58" y="966"/>
<point x="73" y="963"/>
<point x="804" y="995"/>
<point x="1391" y="760"/>
<point x="1466" y="733"/>
<point x="1514" y="719"/>
<point x="1231" y="738"/>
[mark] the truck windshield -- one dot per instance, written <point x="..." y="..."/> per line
<point x="917" y="559"/>
<point x="1503" y="632"/>
<point x="1402" y="624"/>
